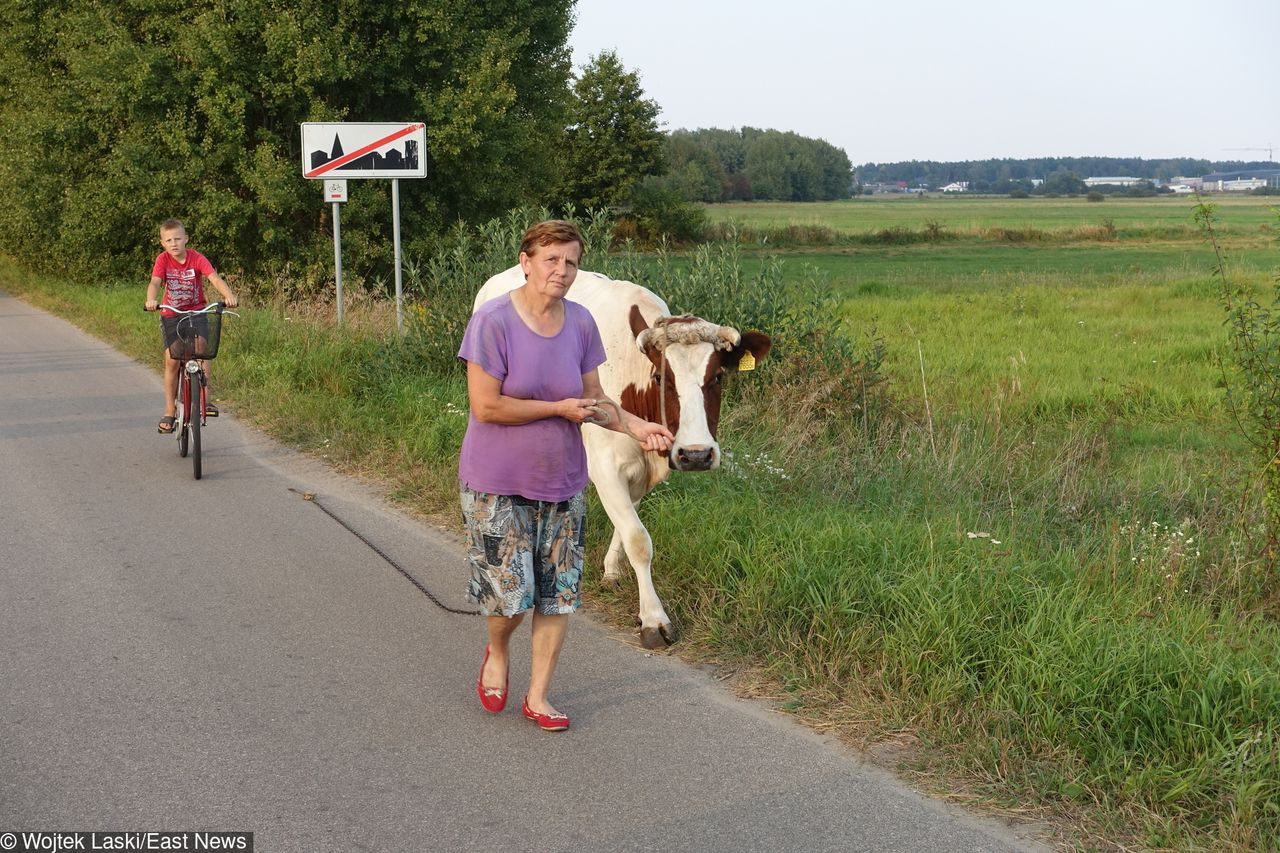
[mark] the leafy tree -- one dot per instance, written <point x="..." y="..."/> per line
<point x="119" y="114"/>
<point x="730" y="149"/>
<point x="790" y="167"/>
<point x="771" y="168"/>
<point x="693" y="170"/>
<point x="836" y="170"/>
<point x="660" y="211"/>
<point x="767" y="164"/>
<point x="612" y="140"/>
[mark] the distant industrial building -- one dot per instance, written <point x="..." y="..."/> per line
<point x="1113" y="182"/>
<point x="1242" y="181"/>
<point x="878" y="187"/>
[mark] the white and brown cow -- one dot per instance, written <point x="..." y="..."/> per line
<point x="655" y="361"/>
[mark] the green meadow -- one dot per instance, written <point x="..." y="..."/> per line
<point x="1012" y="543"/>
<point x="965" y="215"/>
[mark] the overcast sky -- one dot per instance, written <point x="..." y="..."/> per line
<point x="944" y="80"/>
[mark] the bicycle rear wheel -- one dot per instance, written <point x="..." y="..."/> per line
<point x="184" y="413"/>
<point x="197" y="415"/>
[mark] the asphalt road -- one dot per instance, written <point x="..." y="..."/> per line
<point x="222" y="655"/>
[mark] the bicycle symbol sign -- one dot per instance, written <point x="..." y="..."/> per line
<point x="335" y="191"/>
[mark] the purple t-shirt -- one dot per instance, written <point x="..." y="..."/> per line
<point x="543" y="460"/>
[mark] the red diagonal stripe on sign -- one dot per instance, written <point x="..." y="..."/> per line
<point x="356" y="155"/>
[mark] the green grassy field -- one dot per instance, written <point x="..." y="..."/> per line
<point x="1029" y="558"/>
<point x="960" y="214"/>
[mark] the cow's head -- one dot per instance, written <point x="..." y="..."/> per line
<point x="689" y="358"/>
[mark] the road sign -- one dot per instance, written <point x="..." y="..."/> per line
<point x="364" y="150"/>
<point x="335" y="191"/>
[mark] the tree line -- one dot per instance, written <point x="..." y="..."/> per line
<point x="714" y="165"/>
<point x="1004" y="175"/>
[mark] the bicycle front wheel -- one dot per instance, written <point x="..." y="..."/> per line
<point x="197" y="415"/>
<point x="184" y="413"/>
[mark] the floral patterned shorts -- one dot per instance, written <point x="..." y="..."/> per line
<point x="524" y="553"/>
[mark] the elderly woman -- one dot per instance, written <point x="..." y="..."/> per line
<point x="532" y="380"/>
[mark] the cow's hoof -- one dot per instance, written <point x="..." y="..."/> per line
<point x="659" y="637"/>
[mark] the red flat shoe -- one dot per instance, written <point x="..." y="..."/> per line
<point x="547" y="722"/>
<point x="493" y="699"/>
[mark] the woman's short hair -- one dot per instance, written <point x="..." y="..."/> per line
<point x="549" y="232"/>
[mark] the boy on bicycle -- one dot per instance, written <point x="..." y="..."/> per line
<point x="182" y="272"/>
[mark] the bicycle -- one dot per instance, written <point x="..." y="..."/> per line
<point x="199" y="334"/>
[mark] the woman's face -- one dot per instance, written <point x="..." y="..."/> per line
<point x="551" y="269"/>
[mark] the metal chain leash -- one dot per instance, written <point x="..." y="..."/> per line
<point x="310" y="497"/>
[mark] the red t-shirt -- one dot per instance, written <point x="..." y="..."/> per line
<point x="183" y="283"/>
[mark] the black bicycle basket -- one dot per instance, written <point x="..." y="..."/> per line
<point x="198" y="336"/>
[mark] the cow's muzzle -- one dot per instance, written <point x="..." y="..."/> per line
<point x="694" y="457"/>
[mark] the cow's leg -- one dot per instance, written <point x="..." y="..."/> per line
<point x="656" y="630"/>
<point x="615" y="560"/>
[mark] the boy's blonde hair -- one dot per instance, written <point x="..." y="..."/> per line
<point x="172" y="225"/>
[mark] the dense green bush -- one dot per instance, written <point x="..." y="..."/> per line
<point x="659" y="212"/>
<point x="116" y="116"/>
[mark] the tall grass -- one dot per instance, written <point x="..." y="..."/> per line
<point x="1056" y="630"/>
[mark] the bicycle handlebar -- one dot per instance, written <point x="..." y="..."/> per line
<point x="211" y="308"/>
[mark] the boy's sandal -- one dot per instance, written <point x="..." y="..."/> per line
<point x="167" y="425"/>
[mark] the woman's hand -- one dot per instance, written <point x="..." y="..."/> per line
<point x="581" y="410"/>
<point x="654" y="437"/>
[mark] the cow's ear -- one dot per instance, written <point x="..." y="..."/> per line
<point x="641" y="330"/>
<point x="637" y="321"/>
<point x="753" y="347"/>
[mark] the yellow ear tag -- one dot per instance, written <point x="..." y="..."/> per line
<point x="748" y="362"/>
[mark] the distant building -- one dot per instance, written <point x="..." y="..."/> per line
<point x="1240" y="185"/>
<point x="1113" y="182"/>
<point x="1249" y="179"/>
<point x="956" y="187"/>
<point x="885" y="186"/>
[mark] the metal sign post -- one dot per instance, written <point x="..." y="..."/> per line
<point x="395" y="237"/>
<point x="366" y="150"/>
<point x="336" y="192"/>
